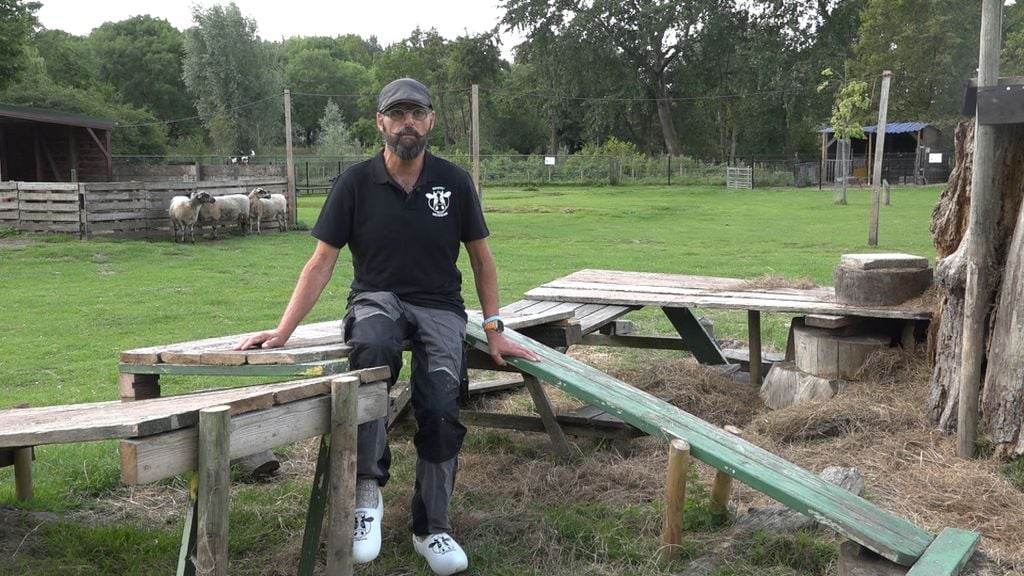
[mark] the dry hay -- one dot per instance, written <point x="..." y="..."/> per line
<point x="704" y="391"/>
<point x="886" y="398"/>
<point x="879" y="426"/>
<point x="771" y="281"/>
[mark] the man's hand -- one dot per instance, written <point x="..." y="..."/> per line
<point x="499" y="346"/>
<point x="267" y="339"/>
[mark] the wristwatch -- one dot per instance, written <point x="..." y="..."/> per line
<point x="494" y="323"/>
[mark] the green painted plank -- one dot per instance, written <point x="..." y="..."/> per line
<point x="189" y="536"/>
<point x="948" y="554"/>
<point x="307" y="370"/>
<point x="881" y="531"/>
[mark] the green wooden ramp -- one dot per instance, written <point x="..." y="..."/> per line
<point x="878" y="530"/>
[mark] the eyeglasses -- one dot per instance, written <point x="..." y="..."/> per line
<point x="399" y="114"/>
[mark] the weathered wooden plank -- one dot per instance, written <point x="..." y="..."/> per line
<point x="630" y="341"/>
<point x="110" y="420"/>
<point x="153" y="458"/>
<point x="859" y="520"/>
<point x="305" y="370"/>
<point x="948" y="553"/>
<point x="298" y="355"/>
<point x="595" y="319"/>
<point x="728" y="303"/>
<point x="694" y="336"/>
<point x="56" y="187"/>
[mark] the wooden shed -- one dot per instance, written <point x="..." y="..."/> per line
<point x="51" y="146"/>
<point x="915" y="153"/>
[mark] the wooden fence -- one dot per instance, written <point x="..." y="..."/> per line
<point x="115" y="209"/>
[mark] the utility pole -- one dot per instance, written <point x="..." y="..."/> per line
<point x="290" y="159"/>
<point x="876" y="179"/>
<point x="984" y="213"/>
<point x="476" y="140"/>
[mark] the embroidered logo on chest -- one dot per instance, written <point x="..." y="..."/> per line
<point x="439" y="199"/>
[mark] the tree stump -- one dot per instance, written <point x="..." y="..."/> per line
<point x="881" y="279"/>
<point x="833" y="354"/>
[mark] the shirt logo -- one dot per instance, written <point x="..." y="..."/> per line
<point x="439" y="199"/>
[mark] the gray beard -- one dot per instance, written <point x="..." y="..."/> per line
<point x="406" y="149"/>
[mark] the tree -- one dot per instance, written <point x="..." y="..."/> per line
<point x="334" y="139"/>
<point x="142" y="58"/>
<point x="233" y="77"/>
<point x="851" y="102"/>
<point x="315" y="75"/>
<point x="649" y="35"/>
<point x="17" y="19"/>
<point x="930" y="60"/>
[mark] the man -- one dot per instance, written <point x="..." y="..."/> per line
<point x="403" y="215"/>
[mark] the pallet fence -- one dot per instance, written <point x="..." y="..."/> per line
<point x="110" y="209"/>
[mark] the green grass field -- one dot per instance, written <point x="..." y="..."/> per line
<point x="69" y="307"/>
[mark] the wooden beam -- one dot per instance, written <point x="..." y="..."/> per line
<point x="303" y="370"/>
<point x="697" y="340"/>
<point x="23" y="474"/>
<point x="153" y="458"/>
<point x="214" y="490"/>
<point x="948" y="553"/>
<point x="754" y="343"/>
<point x="547" y="415"/>
<point x="342" y="478"/>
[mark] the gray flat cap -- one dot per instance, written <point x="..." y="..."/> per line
<point x="404" y="90"/>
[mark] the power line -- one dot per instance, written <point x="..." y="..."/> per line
<point x="197" y="117"/>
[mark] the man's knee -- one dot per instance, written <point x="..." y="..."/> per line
<point x="375" y="341"/>
<point x="440" y="434"/>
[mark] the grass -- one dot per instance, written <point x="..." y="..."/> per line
<point x="70" y="307"/>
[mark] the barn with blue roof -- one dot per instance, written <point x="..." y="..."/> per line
<point x="915" y="153"/>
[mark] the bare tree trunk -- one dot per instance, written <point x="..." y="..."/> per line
<point x="1003" y="391"/>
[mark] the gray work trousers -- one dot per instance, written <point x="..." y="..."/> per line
<point x="376" y="325"/>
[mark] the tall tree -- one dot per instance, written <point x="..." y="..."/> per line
<point x="233" y="77"/>
<point x="930" y="60"/>
<point x="142" y="58"/>
<point x="314" y="76"/>
<point x="17" y="19"/>
<point x="649" y="35"/>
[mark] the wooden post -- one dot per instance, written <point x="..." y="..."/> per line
<point x="342" y="477"/>
<point x="290" y="158"/>
<point x="214" y="485"/>
<point x="23" y="473"/>
<point x="722" y="486"/>
<point x="139" y="386"/>
<point x="476" y="140"/>
<point x="984" y="214"/>
<point x="876" y="177"/>
<point x="754" y="345"/>
<point x="675" y="498"/>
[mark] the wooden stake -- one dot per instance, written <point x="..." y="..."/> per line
<point x="23" y="473"/>
<point x="342" y="481"/>
<point x="876" y="178"/>
<point x="986" y="205"/>
<point x="290" y="158"/>
<point x="675" y="498"/>
<point x="722" y="487"/>
<point x="214" y="486"/>
<point x="475" y="109"/>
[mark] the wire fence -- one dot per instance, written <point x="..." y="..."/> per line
<point x="316" y="174"/>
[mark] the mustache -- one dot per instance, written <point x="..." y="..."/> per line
<point x="408" y="131"/>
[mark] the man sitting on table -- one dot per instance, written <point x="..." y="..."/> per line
<point x="403" y="214"/>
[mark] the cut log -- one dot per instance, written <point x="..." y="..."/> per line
<point x="824" y="353"/>
<point x="785" y="385"/>
<point x="880" y="286"/>
<point x="883" y="261"/>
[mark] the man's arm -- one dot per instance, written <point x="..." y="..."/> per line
<point x="314" y="277"/>
<point x="485" y="276"/>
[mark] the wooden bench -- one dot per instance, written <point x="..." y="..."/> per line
<point x="878" y="530"/>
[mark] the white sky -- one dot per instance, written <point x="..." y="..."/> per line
<point x="389" y="21"/>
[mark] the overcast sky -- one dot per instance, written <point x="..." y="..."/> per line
<point x="389" y="21"/>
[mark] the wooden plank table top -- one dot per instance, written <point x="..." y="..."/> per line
<point x="310" y="344"/>
<point x="116" y="419"/>
<point x="686" y="291"/>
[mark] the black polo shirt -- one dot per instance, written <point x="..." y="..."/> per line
<point x="404" y="243"/>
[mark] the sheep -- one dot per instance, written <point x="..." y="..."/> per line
<point x="184" y="211"/>
<point x="266" y="206"/>
<point x="230" y="208"/>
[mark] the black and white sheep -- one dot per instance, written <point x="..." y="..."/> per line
<point x="229" y="209"/>
<point x="266" y="206"/>
<point x="184" y="211"/>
